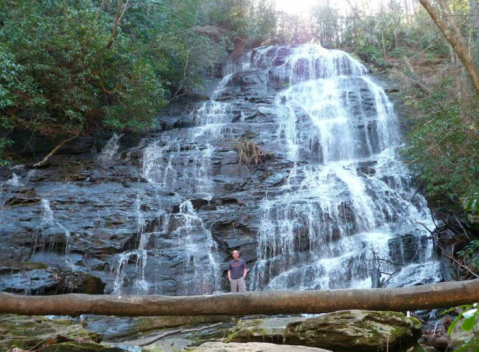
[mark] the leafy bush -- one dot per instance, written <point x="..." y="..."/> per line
<point x="74" y="66"/>
<point x="470" y="255"/>
<point x="471" y="203"/>
<point x="443" y="146"/>
<point x="467" y="318"/>
<point x="64" y="78"/>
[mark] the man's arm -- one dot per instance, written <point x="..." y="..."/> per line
<point x="244" y="272"/>
<point x="229" y="275"/>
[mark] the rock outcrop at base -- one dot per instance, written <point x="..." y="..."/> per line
<point x="20" y="333"/>
<point x="252" y="347"/>
<point x="356" y="331"/>
<point x="344" y="331"/>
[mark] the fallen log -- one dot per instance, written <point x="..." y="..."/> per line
<point x="441" y="295"/>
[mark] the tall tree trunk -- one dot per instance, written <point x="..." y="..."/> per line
<point x="475" y="16"/>
<point x="455" y="42"/>
<point x="450" y="19"/>
<point x="442" y="295"/>
<point x="384" y="46"/>
<point x="406" y="8"/>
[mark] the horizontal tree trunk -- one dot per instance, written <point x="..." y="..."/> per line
<point x="442" y="295"/>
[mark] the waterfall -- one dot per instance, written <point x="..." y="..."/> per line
<point x="48" y="221"/>
<point x="184" y="233"/>
<point x="346" y="208"/>
<point x="108" y="153"/>
<point x="351" y="196"/>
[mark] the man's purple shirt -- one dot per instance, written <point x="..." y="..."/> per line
<point x="237" y="268"/>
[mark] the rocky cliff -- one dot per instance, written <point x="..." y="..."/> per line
<point x="289" y="158"/>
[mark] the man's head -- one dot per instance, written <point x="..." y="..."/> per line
<point x="235" y="254"/>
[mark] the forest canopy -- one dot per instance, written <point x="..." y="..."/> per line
<point x="74" y="66"/>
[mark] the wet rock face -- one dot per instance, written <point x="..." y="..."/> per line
<point x="39" y="278"/>
<point x="118" y="329"/>
<point x="407" y="249"/>
<point x="161" y="212"/>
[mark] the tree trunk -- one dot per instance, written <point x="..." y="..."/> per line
<point x="406" y="7"/>
<point x="442" y="295"/>
<point x="475" y="16"/>
<point x="456" y="44"/>
<point x="384" y="46"/>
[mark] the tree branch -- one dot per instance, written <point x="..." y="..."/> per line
<point x="174" y="332"/>
<point x="45" y="159"/>
<point x="455" y="43"/>
<point x="118" y="17"/>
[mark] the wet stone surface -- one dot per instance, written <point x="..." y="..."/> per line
<point x="160" y="212"/>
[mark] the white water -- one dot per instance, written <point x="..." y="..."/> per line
<point x="162" y="168"/>
<point x="347" y="201"/>
<point x="48" y="220"/>
<point x="110" y="150"/>
<point x="332" y="218"/>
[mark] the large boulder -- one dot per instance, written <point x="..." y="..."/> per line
<point x="42" y="278"/>
<point x="356" y="330"/>
<point x="79" y="347"/>
<point x="115" y="329"/>
<point x="261" y="330"/>
<point x="342" y="331"/>
<point x="252" y="347"/>
<point x="33" y="332"/>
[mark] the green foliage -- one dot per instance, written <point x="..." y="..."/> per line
<point x="65" y="79"/>
<point x="443" y="147"/>
<point x="252" y="20"/>
<point x="73" y="66"/>
<point x="326" y="24"/>
<point x="467" y="319"/>
<point x="471" y="204"/>
<point x="470" y="255"/>
<point x="4" y="145"/>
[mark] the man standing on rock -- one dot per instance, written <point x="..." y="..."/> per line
<point x="237" y="273"/>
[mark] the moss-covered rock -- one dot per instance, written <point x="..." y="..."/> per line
<point x="252" y="347"/>
<point x="421" y="348"/>
<point x="118" y="328"/>
<point x="356" y="330"/>
<point x="261" y="330"/>
<point x="79" y="347"/>
<point x="28" y="332"/>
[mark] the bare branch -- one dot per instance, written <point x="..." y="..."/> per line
<point x="174" y="332"/>
<point x="45" y="159"/>
<point x="455" y="43"/>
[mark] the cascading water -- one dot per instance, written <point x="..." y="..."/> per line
<point x="349" y="194"/>
<point x="162" y="168"/>
<point x="347" y="206"/>
<point x="48" y="221"/>
<point x="111" y="148"/>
